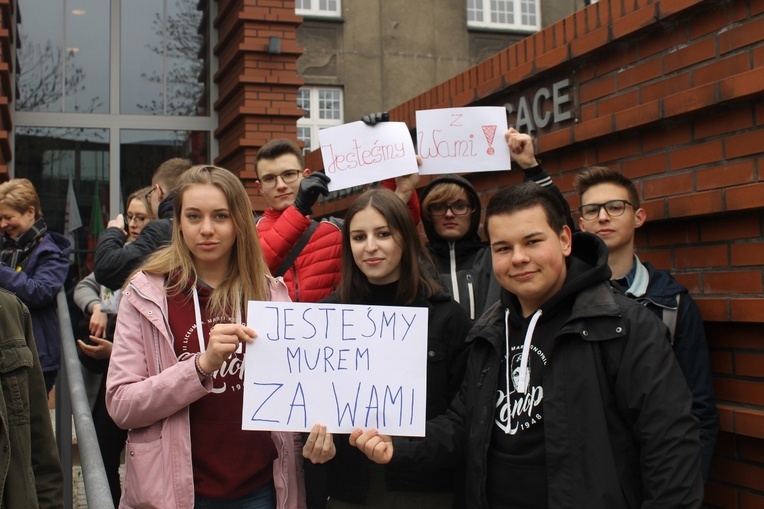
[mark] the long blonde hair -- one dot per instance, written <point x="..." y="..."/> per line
<point x="246" y="278"/>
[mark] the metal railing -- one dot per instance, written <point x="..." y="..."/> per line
<point x="72" y="401"/>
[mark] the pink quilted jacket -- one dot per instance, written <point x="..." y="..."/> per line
<point x="148" y="391"/>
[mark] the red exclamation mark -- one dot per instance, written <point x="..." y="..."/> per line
<point x="489" y="131"/>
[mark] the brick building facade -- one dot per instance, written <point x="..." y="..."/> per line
<point x="671" y="93"/>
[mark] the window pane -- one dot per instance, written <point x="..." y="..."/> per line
<point x="303" y="134"/>
<point x="324" y="8"/>
<point x="48" y="157"/>
<point x="474" y="10"/>
<point x="329" y="104"/>
<point x="303" y="101"/>
<point x="528" y="12"/>
<point x="87" y="47"/>
<point x="141" y="151"/>
<point x="69" y="48"/>
<point x="163" y="69"/>
<point x="501" y="12"/>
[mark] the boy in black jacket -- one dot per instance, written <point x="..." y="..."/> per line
<point x="610" y="209"/>
<point x="571" y="397"/>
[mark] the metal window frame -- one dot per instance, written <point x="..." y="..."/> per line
<point x="114" y="122"/>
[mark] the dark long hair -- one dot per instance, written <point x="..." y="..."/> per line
<point x="417" y="273"/>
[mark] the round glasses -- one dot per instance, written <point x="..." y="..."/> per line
<point x="137" y="219"/>
<point x="458" y="209"/>
<point x="288" y="176"/>
<point x="614" y="208"/>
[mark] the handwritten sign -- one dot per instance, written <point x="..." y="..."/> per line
<point x="345" y="366"/>
<point x="462" y="140"/>
<point x="355" y="154"/>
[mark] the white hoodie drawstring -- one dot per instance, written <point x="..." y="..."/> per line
<point x="507" y="362"/>
<point x="522" y="374"/>
<point x="521" y="384"/>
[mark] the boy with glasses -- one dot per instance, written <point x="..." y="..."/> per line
<point x="610" y="209"/>
<point x="451" y="219"/>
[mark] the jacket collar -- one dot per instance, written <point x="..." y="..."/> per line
<point x="638" y="286"/>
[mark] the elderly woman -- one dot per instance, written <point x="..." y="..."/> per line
<point x="33" y="264"/>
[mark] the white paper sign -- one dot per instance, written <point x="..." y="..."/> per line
<point x="462" y="140"/>
<point x="345" y="366"/>
<point x="355" y="154"/>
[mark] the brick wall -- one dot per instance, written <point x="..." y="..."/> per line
<point x="7" y="36"/>
<point x="671" y="93"/>
<point x="257" y="91"/>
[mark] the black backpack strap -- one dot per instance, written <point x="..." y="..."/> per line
<point x="296" y="250"/>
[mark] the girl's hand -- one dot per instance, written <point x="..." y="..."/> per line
<point x="378" y="448"/>
<point x="101" y="349"/>
<point x="98" y="321"/>
<point x="521" y="148"/>
<point x="319" y="448"/>
<point x="223" y="341"/>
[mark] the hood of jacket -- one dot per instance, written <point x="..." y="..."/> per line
<point x="657" y="286"/>
<point x="586" y="266"/>
<point x="471" y="241"/>
<point x="60" y="242"/>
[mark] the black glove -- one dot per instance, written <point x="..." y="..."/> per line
<point x="310" y="187"/>
<point x="373" y="118"/>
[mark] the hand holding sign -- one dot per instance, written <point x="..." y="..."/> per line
<point x="319" y="447"/>
<point x="521" y="148"/>
<point x="340" y="365"/>
<point x="223" y="341"/>
<point x="462" y="140"/>
<point x="355" y="154"/>
<point x="378" y="448"/>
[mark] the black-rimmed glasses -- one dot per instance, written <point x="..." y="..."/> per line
<point x="288" y="176"/>
<point x="614" y="208"/>
<point x="458" y="208"/>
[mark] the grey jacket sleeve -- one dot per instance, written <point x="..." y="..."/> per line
<point x="87" y="293"/>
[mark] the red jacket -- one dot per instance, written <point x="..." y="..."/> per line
<point x="316" y="272"/>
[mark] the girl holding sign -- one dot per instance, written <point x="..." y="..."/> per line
<point x="176" y="373"/>
<point x="384" y="263"/>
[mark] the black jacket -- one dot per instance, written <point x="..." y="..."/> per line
<point x="657" y="290"/>
<point x="347" y="474"/>
<point x="115" y="260"/>
<point x="618" y="429"/>
<point x="468" y="260"/>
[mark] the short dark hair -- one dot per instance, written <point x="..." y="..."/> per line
<point x="417" y="272"/>
<point x="277" y="148"/>
<point x="595" y="175"/>
<point x="524" y="196"/>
